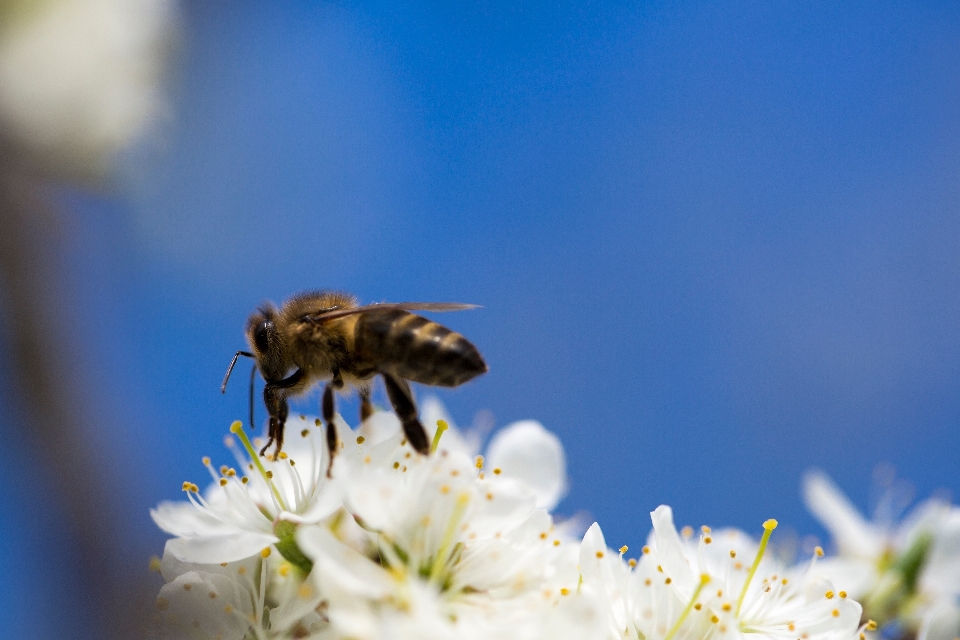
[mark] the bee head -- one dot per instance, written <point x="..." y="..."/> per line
<point x="267" y="344"/>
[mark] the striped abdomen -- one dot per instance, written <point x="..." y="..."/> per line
<point x="416" y="349"/>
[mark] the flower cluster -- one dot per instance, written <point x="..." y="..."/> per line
<point x="461" y="545"/>
<point x="907" y="574"/>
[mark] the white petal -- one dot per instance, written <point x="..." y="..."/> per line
<point x="854" y="535"/>
<point x="223" y="548"/>
<point x="205" y="604"/>
<point x="184" y="519"/>
<point x="339" y="569"/>
<point x="670" y="550"/>
<point x="592" y="550"/>
<point x="527" y="452"/>
<point x="942" y="622"/>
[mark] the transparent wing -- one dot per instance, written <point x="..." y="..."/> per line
<point x="324" y="316"/>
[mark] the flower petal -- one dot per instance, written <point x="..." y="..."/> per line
<point x="854" y="535"/>
<point x="222" y="548"/>
<point x="529" y="453"/>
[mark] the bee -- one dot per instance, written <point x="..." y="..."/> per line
<point x="324" y="336"/>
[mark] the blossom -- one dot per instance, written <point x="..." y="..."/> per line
<point x="723" y="585"/>
<point x="81" y="77"/>
<point x="243" y="512"/>
<point x="906" y="573"/>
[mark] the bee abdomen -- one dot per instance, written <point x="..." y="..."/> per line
<point x="417" y="349"/>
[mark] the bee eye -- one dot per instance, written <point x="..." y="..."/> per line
<point x="260" y="336"/>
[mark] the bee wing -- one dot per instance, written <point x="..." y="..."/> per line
<point x="324" y="316"/>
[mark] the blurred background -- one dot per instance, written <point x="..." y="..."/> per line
<point x="716" y="245"/>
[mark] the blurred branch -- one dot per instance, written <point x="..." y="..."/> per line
<point x="42" y="353"/>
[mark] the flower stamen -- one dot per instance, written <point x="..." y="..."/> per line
<point x="237" y="428"/>
<point x="768" y="528"/>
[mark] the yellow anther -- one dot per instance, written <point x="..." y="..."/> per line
<point x="564" y="591"/>
<point x="187" y="587"/>
<point x="863" y="636"/>
<point x="645" y="549"/>
<point x="632" y="562"/>
<point x="228" y="609"/>
<point x="704" y="578"/>
<point x="556" y="543"/>
<point x="828" y="595"/>
<point x="162" y="604"/>
<point x="698" y="606"/>
<point x="317" y="422"/>
<point x="784" y="581"/>
<point x="489" y="496"/>
<point x="154" y="564"/>
<point x="231" y="472"/>
<point x="265" y="553"/>
<point x="205" y="460"/>
<point x="706" y="530"/>
<point x="478" y="463"/>
<point x="396" y="465"/>
<point x="647" y="582"/>
<point x="244" y="479"/>
<point x="726" y="606"/>
<point x="599" y="554"/>
<point x="818" y="551"/>
<point x="733" y="554"/>
<point x="284" y="570"/>
<point x="871" y="625"/>
<point x="714" y="619"/>
<point x="213" y="595"/>
<point x="686" y="532"/>
<point x="835" y="613"/>
<point x="770" y="524"/>
<point x="659" y="568"/>
<point x="223" y="469"/>
<point x="242" y="570"/>
<point x="445" y="489"/>
<point x="623" y="549"/>
<point x="223" y="482"/>
<point x="283" y="455"/>
<point x="497" y="471"/>
<point x="223" y="564"/>
<point x="187" y="486"/>
<point x="304" y="433"/>
<point x="668" y="581"/>
<point x="361" y="439"/>
<point x="707" y="540"/>
<point x="305" y="591"/>
<point x="269" y="475"/>
<point x="738" y="565"/>
<point x="842" y="594"/>
<point x="719" y="593"/>
<point x="792" y="627"/>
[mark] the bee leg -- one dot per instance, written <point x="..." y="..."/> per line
<point x="328" y="410"/>
<point x="366" y="409"/>
<point x="401" y="397"/>
<point x="274" y="397"/>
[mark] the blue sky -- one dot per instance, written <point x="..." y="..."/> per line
<point x="715" y="244"/>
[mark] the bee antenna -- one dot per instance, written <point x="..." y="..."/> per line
<point x="223" y="387"/>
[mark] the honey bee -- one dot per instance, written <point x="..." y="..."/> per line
<point x="325" y="336"/>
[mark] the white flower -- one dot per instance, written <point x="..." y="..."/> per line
<point x="899" y="570"/>
<point x="80" y="77"/>
<point x="262" y="594"/>
<point x="723" y="585"/>
<point x="239" y="515"/>
<point x="454" y="549"/>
